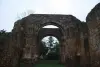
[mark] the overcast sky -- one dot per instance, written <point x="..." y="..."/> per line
<point x="10" y="9"/>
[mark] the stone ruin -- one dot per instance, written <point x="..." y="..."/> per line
<point x="79" y="41"/>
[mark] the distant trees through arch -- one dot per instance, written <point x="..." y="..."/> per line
<point x="49" y="48"/>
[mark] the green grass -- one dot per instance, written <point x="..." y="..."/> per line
<point x="49" y="63"/>
<point x="45" y="63"/>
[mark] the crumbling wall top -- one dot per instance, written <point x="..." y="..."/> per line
<point x="94" y="13"/>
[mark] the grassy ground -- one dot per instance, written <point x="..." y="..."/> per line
<point x="49" y="63"/>
<point x="45" y="63"/>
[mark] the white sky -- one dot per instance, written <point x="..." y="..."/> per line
<point x="10" y="9"/>
<point x="50" y="26"/>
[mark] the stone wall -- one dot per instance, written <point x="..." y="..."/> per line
<point x="26" y="32"/>
<point x="93" y="22"/>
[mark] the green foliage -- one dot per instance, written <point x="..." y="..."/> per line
<point x="4" y="37"/>
<point x="49" y="63"/>
<point x="46" y="63"/>
<point x="51" y="40"/>
<point x="52" y="50"/>
<point x="56" y="47"/>
<point x="43" y="48"/>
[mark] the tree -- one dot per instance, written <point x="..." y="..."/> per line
<point x="43" y="48"/>
<point x="52" y="50"/>
<point x="4" y="36"/>
<point x="51" y="41"/>
<point x="57" y="47"/>
<point x="4" y="48"/>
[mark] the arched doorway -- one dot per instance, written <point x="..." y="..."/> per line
<point x="51" y="29"/>
<point x="49" y="43"/>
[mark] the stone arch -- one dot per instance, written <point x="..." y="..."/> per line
<point x="67" y="25"/>
<point x="61" y="31"/>
<point x="52" y="23"/>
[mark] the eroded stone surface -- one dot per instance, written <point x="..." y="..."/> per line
<point x="72" y="33"/>
<point x="93" y="22"/>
